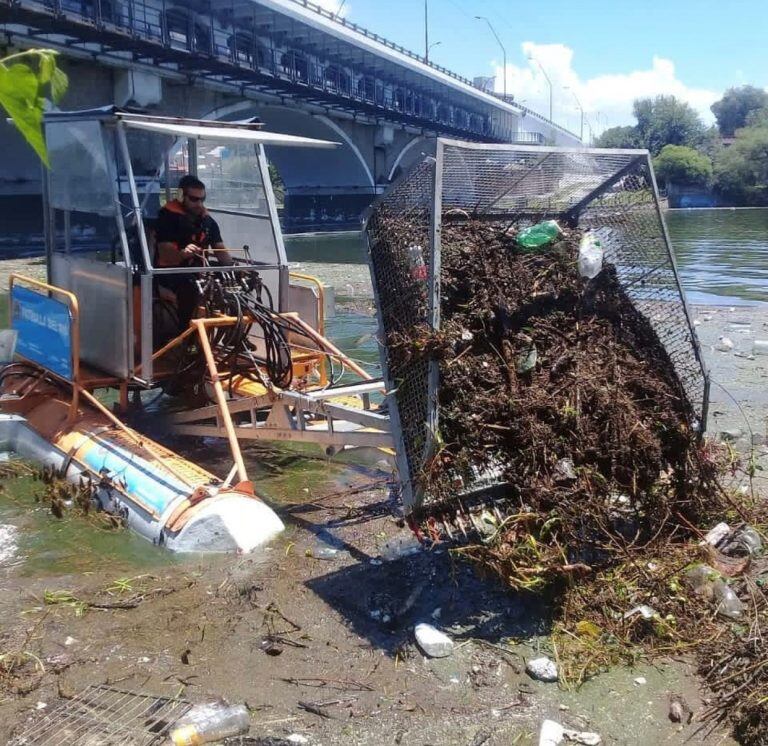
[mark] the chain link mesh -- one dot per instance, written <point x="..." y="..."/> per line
<point x="398" y="234"/>
<point x="610" y="192"/>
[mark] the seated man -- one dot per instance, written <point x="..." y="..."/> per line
<point x="185" y="233"/>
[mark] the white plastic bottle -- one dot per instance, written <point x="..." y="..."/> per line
<point x="211" y="722"/>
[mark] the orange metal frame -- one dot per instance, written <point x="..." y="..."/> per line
<point x="199" y="326"/>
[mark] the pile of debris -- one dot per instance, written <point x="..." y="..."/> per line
<point x="554" y="383"/>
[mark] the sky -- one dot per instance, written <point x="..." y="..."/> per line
<point x="600" y="55"/>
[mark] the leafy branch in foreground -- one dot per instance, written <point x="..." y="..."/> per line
<point x="27" y="79"/>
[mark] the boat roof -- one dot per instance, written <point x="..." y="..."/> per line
<point x="248" y="130"/>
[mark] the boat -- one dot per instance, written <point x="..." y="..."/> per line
<point x="101" y="333"/>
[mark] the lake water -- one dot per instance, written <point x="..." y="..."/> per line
<point x="722" y="254"/>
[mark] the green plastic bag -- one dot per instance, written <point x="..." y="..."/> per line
<point x="538" y="236"/>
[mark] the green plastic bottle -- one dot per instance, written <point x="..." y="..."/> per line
<point x="538" y="236"/>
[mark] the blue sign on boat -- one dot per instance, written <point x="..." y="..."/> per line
<point x="44" y="329"/>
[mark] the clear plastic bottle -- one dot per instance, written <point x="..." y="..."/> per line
<point x="210" y="722"/>
<point x="590" y="256"/>
<point x="728" y="603"/>
<point x="416" y="259"/>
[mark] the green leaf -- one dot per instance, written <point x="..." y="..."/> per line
<point x="47" y="66"/>
<point x="59" y="84"/>
<point x="20" y="97"/>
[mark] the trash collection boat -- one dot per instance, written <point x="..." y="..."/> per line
<point x="253" y="360"/>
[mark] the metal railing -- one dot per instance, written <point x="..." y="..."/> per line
<point x="424" y="61"/>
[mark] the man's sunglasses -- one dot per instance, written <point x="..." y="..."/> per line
<point x="191" y="198"/>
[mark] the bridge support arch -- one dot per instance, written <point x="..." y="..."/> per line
<point x="325" y="190"/>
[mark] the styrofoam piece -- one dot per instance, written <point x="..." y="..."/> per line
<point x="542" y="669"/>
<point x="432" y="641"/>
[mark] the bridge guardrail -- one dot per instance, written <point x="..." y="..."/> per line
<point x="183" y="30"/>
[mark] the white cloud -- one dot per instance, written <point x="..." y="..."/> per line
<point x="332" y="6"/>
<point x="607" y="99"/>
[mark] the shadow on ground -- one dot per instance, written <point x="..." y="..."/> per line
<point x="382" y="601"/>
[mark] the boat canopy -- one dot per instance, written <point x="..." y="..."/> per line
<point x="233" y="131"/>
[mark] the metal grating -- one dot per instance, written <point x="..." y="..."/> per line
<point x="610" y="191"/>
<point x="103" y="716"/>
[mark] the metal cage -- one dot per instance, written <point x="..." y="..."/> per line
<point x="612" y="192"/>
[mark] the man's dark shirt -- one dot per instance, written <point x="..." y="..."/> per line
<point x="176" y="226"/>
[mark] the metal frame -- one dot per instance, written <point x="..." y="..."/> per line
<point x="562" y="190"/>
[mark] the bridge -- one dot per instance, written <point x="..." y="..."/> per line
<point x="299" y="68"/>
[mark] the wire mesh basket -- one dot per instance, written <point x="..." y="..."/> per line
<point x="104" y="716"/>
<point x="611" y="192"/>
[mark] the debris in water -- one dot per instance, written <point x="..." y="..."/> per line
<point x="553" y="734"/>
<point x="716" y="534"/>
<point x="400" y="546"/>
<point x="679" y="711"/>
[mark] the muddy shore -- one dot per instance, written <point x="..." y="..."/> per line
<point x="325" y="618"/>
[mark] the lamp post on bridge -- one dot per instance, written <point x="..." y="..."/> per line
<point x="581" y="109"/>
<point x="503" y="50"/>
<point x="549" y="82"/>
<point x="433" y="44"/>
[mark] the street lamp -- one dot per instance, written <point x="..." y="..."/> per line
<point x="581" y="109"/>
<point x="544" y="73"/>
<point x="433" y="44"/>
<point x="503" y="50"/>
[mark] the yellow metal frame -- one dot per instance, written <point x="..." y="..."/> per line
<point x="320" y="297"/>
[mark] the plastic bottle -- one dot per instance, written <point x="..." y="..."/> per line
<point x="416" y="259"/>
<point x="707" y="583"/>
<point x="590" y="256"/>
<point x="211" y="722"/>
<point x="539" y="235"/>
<point x="727" y="602"/>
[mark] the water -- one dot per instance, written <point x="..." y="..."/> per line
<point x="722" y="254"/>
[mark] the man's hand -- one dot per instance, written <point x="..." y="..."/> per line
<point x="191" y="250"/>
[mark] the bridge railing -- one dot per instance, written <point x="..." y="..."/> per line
<point x="180" y="28"/>
<point x="381" y="40"/>
<point x="413" y="55"/>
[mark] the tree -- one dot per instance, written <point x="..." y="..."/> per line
<point x="665" y="120"/>
<point x="741" y="171"/>
<point x="733" y="109"/>
<point x="618" y="137"/>
<point x="26" y="80"/>
<point x="758" y="117"/>
<point x="682" y="165"/>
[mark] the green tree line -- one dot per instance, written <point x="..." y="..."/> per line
<point x="730" y="157"/>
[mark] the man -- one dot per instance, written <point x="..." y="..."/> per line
<point x="184" y="234"/>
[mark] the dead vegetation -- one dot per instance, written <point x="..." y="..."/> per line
<point x="558" y="389"/>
